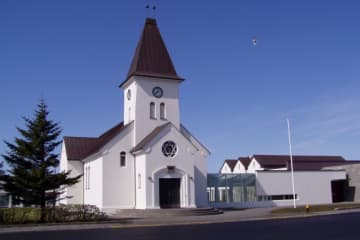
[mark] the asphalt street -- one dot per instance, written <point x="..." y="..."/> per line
<point x="331" y="227"/>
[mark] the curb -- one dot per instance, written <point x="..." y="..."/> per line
<point x="121" y="225"/>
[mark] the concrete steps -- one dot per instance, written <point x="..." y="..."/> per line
<point x="153" y="213"/>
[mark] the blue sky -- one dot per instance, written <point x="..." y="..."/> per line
<point x="236" y="96"/>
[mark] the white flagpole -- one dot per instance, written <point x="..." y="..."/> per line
<point x="291" y="163"/>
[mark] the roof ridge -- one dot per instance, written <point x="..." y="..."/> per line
<point x="232" y="163"/>
<point x="297" y="155"/>
<point x="68" y="137"/>
<point x="149" y="137"/>
<point x="111" y="129"/>
<point x="79" y="148"/>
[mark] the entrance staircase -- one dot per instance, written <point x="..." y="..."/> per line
<point x="152" y="213"/>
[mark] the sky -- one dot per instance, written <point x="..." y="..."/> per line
<point x="236" y="97"/>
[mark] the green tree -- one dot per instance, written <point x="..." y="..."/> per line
<point x="33" y="177"/>
<point x="1" y="171"/>
<point x="1" y="175"/>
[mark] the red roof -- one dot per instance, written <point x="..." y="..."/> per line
<point x="231" y="163"/>
<point x="245" y="161"/>
<point x="301" y="162"/>
<point x="78" y="148"/>
<point x="151" y="57"/>
<point x="318" y="165"/>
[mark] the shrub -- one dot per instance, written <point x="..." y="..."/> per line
<point x="78" y="212"/>
<point x="61" y="213"/>
<point x="19" y="215"/>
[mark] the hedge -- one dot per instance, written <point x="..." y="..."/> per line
<point x="61" y="213"/>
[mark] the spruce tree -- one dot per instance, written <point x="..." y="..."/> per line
<point x="33" y="178"/>
<point x="1" y="171"/>
<point x="1" y="175"/>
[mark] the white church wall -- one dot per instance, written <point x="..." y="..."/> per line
<point x="142" y="182"/>
<point x="75" y="192"/>
<point x="72" y="194"/>
<point x="118" y="181"/>
<point x="63" y="158"/>
<point x="93" y="182"/>
<point x="200" y="171"/>
<point x="311" y="187"/>
<point x="184" y="161"/>
<point x="200" y="179"/>
<point x="129" y="104"/>
<point x="143" y="124"/>
<point x="63" y="167"/>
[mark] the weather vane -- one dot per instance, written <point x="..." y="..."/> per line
<point x="153" y="9"/>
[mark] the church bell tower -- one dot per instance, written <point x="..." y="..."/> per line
<point x="151" y="88"/>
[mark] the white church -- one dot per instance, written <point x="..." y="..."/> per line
<point x="150" y="160"/>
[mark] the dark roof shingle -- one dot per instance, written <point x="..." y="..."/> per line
<point x="231" y="163"/>
<point x="78" y="148"/>
<point x="151" y="57"/>
<point x="301" y="162"/>
<point x="245" y="161"/>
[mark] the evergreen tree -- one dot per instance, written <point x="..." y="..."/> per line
<point x="1" y="171"/>
<point x="33" y="178"/>
<point x="1" y="175"/>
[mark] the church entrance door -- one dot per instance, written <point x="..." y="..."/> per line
<point x="169" y="191"/>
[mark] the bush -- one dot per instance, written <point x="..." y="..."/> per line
<point x="76" y="212"/>
<point x="18" y="215"/>
<point x="61" y="213"/>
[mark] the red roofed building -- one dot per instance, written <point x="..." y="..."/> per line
<point x="318" y="179"/>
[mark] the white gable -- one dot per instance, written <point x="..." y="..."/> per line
<point x="239" y="167"/>
<point x="152" y="164"/>
<point x="254" y="166"/>
<point x="225" y="169"/>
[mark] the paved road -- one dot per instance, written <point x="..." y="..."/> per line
<point x="332" y="227"/>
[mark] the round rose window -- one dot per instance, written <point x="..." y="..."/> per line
<point x="169" y="149"/>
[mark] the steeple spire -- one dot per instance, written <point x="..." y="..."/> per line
<point x="151" y="58"/>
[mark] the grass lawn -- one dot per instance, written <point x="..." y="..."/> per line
<point x="315" y="208"/>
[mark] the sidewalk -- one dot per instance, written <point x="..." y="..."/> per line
<point x="228" y="216"/>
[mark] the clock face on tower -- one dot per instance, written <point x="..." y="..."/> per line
<point x="157" y="92"/>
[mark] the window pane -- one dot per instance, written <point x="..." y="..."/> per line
<point x="122" y="159"/>
<point x="162" y="111"/>
<point x="152" y="110"/>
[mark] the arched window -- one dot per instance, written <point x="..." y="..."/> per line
<point x="152" y="110"/>
<point x="139" y="181"/>
<point x="122" y="159"/>
<point x="162" y="111"/>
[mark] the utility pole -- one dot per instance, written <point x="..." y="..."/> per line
<point x="291" y="164"/>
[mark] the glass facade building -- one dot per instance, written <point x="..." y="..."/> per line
<point x="231" y="188"/>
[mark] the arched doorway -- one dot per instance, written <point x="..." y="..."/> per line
<point x="171" y="188"/>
